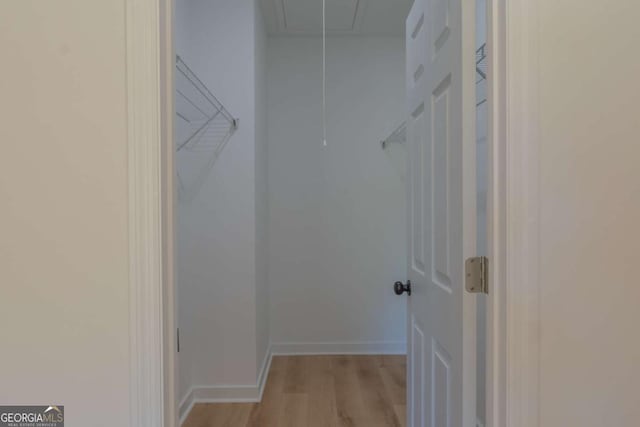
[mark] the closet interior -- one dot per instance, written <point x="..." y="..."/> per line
<point x="287" y="245"/>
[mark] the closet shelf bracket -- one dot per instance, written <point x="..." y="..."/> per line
<point x="203" y="123"/>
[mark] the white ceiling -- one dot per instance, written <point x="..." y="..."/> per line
<point x="345" y="17"/>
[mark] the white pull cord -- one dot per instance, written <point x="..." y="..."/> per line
<point x="324" y="73"/>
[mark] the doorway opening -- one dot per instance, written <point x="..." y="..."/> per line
<point x="287" y="247"/>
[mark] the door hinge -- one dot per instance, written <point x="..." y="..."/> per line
<point x="477" y="275"/>
<point x="178" y="339"/>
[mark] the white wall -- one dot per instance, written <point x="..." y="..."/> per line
<point x="590" y="206"/>
<point x="336" y="214"/>
<point x="221" y="274"/>
<point x="64" y="309"/>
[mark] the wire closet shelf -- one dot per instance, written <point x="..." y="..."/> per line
<point x="203" y="123"/>
<point x="481" y="70"/>
<point x="399" y="135"/>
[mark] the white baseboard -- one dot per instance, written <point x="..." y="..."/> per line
<point x="226" y="393"/>
<point x="264" y="372"/>
<point x="383" y="347"/>
<point x="185" y="406"/>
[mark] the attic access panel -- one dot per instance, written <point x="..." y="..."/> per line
<point x="305" y="16"/>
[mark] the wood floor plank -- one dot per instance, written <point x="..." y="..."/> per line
<point x="198" y="416"/>
<point x="294" y="410"/>
<point x="267" y="413"/>
<point x="395" y="382"/>
<point x="401" y="413"/>
<point x="376" y="398"/>
<point x="319" y="391"/>
<point x="229" y="415"/>
<point x="350" y="408"/>
<point x="322" y="410"/>
<point x="296" y="380"/>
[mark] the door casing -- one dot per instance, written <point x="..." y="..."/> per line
<point x="512" y="315"/>
<point x="513" y="343"/>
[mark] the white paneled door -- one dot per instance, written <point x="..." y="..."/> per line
<point x="441" y="196"/>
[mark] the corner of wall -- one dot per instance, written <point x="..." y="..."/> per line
<point x="208" y="314"/>
<point x="261" y="197"/>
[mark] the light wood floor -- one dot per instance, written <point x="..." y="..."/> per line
<point x="319" y="391"/>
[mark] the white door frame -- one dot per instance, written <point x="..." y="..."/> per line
<point x="152" y="317"/>
<point x="513" y="341"/>
<point x="513" y="309"/>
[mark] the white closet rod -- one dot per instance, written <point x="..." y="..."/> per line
<point x="399" y="135"/>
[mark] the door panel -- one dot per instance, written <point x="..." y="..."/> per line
<point x="441" y="197"/>
<point x="416" y="372"/>
<point x="441" y="386"/>
<point x="440" y="166"/>
<point x="418" y="121"/>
